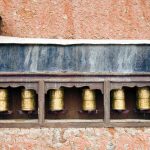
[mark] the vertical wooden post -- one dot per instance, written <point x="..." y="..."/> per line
<point x="106" y="102"/>
<point x="41" y="100"/>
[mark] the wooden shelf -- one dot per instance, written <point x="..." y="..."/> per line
<point x="73" y="84"/>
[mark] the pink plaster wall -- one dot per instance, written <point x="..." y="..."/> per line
<point x="96" y="19"/>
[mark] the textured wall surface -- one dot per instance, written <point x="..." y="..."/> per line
<point x="76" y="58"/>
<point x="102" y="19"/>
<point x="75" y="139"/>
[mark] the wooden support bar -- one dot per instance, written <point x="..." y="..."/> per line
<point x="106" y="102"/>
<point x="41" y="100"/>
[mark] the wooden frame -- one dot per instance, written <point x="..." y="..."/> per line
<point x="41" y="82"/>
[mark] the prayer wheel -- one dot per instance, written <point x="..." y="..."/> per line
<point x="88" y="100"/>
<point x="28" y="100"/>
<point x="118" y="100"/>
<point x="56" y="100"/>
<point x="143" y="98"/>
<point x="3" y="100"/>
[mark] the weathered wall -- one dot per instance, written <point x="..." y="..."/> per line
<point x="75" y="139"/>
<point x="102" y="19"/>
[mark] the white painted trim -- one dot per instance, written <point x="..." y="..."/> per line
<point x="17" y="40"/>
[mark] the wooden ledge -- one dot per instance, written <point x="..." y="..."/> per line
<point x="17" y="40"/>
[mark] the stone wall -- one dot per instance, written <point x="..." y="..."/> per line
<point x="96" y="19"/>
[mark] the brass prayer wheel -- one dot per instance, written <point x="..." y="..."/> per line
<point x="143" y="92"/>
<point x="89" y="100"/>
<point x="143" y="98"/>
<point x="57" y="100"/>
<point x="118" y="100"/>
<point x="28" y="100"/>
<point x="3" y="100"/>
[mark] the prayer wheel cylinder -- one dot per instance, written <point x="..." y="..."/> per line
<point x="143" y="98"/>
<point x="57" y="100"/>
<point x="89" y="100"/>
<point x="28" y="100"/>
<point x="3" y="100"/>
<point x="118" y="100"/>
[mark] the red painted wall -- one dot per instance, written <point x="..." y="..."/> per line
<point x="96" y="19"/>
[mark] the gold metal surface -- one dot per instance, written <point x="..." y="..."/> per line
<point x="143" y="98"/>
<point x="143" y="93"/>
<point x="3" y="93"/>
<point x="28" y="100"/>
<point x="27" y="93"/>
<point x="143" y="104"/>
<point x="118" y="94"/>
<point x="3" y="100"/>
<point x="118" y="100"/>
<point x="57" y="100"/>
<point x="118" y="104"/>
<point x="88" y="99"/>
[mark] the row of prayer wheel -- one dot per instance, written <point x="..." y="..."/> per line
<point x="142" y="99"/>
<point x="56" y="100"/>
<point x="56" y="97"/>
<point x="27" y="100"/>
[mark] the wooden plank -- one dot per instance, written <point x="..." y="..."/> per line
<point x="25" y="78"/>
<point x="106" y="102"/>
<point x="19" y="125"/>
<point x="41" y="100"/>
<point x="119" y="85"/>
<point x="130" y="120"/>
<point x="129" y="124"/>
<point x="57" y="85"/>
<point x="76" y="74"/>
<point x="66" y="124"/>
